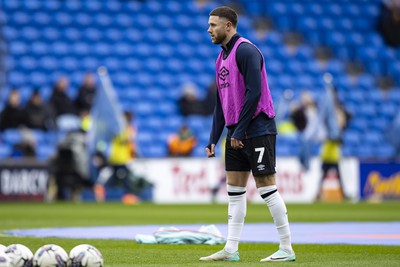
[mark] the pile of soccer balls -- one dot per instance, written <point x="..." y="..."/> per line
<point x="18" y="255"/>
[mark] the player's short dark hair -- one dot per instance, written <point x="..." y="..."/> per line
<point x="226" y="12"/>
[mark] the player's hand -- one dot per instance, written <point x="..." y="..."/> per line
<point x="210" y="151"/>
<point x="236" y="144"/>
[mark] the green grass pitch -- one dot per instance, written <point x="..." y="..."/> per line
<point x="122" y="253"/>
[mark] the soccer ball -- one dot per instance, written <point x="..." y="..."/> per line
<point x="5" y="260"/>
<point x="20" y="255"/>
<point x="85" y="256"/>
<point x="50" y="256"/>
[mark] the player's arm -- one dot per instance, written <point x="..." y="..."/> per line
<point x="218" y="125"/>
<point x="249" y="61"/>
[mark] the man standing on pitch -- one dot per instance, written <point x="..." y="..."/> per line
<point x="244" y="106"/>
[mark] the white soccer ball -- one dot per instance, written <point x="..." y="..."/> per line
<point x="5" y="260"/>
<point x="50" y="256"/>
<point x="20" y="255"/>
<point x="2" y="247"/>
<point x="85" y="255"/>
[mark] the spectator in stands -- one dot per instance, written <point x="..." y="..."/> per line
<point x="181" y="144"/>
<point x="189" y="104"/>
<point x="60" y="102"/>
<point x="11" y="116"/>
<point x="389" y="22"/>
<point x="86" y="93"/>
<point x="37" y="114"/>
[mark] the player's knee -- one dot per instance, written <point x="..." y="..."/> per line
<point x="264" y="180"/>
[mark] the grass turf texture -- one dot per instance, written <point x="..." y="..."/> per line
<point x="121" y="253"/>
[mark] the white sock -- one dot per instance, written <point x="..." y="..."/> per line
<point x="278" y="211"/>
<point x="236" y="213"/>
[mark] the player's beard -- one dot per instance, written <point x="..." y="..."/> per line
<point x="219" y="39"/>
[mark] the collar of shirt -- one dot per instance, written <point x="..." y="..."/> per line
<point x="230" y="44"/>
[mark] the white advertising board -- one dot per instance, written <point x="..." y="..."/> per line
<point x="192" y="180"/>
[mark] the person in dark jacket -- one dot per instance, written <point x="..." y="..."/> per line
<point x="37" y="114"/>
<point x="11" y="116"/>
<point x="60" y="102"/>
<point x="86" y="93"/>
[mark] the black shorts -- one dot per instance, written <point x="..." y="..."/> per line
<point x="257" y="155"/>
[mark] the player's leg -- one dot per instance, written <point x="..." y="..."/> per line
<point x="269" y="192"/>
<point x="236" y="188"/>
<point x="237" y="208"/>
<point x="236" y="178"/>
<point x="263" y="168"/>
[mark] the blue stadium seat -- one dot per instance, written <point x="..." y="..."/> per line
<point x="365" y="152"/>
<point x="93" y="7"/>
<point x="12" y="136"/>
<point x="12" y="5"/>
<point x="10" y="33"/>
<point x="351" y="138"/>
<point x="72" y="34"/>
<point x="385" y="151"/>
<point x="123" y="20"/>
<point x="48" y="64"/>
<point x="33" y="5"/>
<point x="83" y="20"/>
<point x="155" y="151"/>
<point x="166" y="109"/>
<point x="21" y="18"/>
<point x="64" y="18"/>
<point x="373" y="139"/>
<point x="52" y="5"/>
<point x="5" y="151"/>
<point x="17" y="79"/>
<point x="113" y="35"/>
<point x="164" y="51"/>
<point x="359" y="124"/>
<point x="92" y="35"/>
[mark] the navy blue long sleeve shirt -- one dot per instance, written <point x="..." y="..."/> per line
<point x="250" y="62"/>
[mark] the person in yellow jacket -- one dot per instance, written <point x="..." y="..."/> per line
<point x="330" y="155"/>
<point x="122" y="152"/>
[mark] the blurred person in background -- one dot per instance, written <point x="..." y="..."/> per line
<point x="188" y="103"/>
<point x="244" y="105"/>
<point x="86" y="93"/>
<point x="63" y="107"/>
<point x="37" y="114"/>
<point x="12" y="115"/>
<point x="70" y="166"/>
<point x="305" y="118"/>
<point x="182" y="143"/>
<point x="331" y="149"/>
<point x="208" y="103"/>
<point x="392" y="135"/>
<point x="283" y="112"/>
<point x="116" y="171"/>
<point x="389" y="22"/>
<point x="60" y="101"/>
<point x="26" y="148"/>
